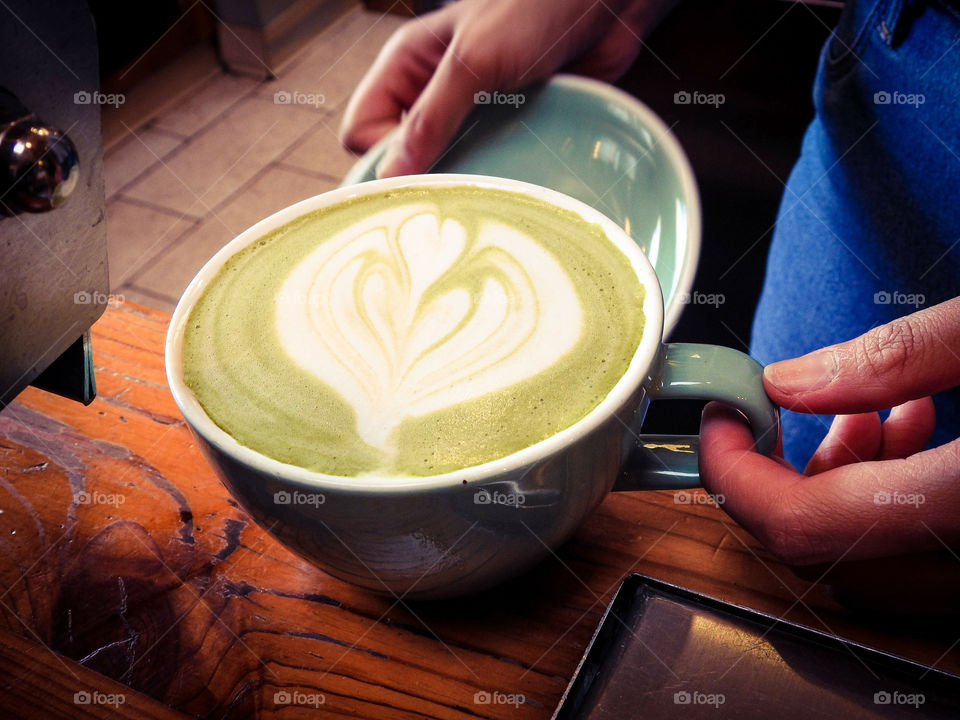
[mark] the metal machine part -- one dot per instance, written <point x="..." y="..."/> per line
<point x="39" y="167"/>
<point x="53" y="247"/>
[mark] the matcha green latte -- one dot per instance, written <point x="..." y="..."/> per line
<point x="414" y="332"/>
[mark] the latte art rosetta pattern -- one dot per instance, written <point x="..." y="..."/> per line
<point x="413" y="332"/>
<point x="405" y="313"/>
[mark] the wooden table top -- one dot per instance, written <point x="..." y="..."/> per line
<point x="129" y="572"/>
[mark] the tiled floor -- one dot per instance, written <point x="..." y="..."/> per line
<point x="192" y="177"/>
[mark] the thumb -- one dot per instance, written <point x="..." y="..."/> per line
<point x="434" y="118"/>
<point x="911" y="357"/>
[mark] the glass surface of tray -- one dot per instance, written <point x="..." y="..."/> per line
<point x="662" y="651"/>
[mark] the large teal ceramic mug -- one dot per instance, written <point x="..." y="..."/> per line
<point x="422" y="535"/>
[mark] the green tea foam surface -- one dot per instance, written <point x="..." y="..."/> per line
<point x="414" y="332"/>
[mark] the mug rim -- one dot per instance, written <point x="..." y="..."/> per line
<point x="640" y="363"/>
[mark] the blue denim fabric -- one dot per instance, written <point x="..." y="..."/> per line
<point x="869" y="225"/>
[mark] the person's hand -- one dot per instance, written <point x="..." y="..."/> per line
<point x="870" y="492"/>
<point x="426" y="76"/>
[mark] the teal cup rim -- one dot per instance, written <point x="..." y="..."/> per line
<point x="637" y="372"/>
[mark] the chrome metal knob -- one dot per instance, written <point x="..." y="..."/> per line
<point x="39" y="167"/>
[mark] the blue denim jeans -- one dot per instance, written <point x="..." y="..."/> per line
<point x="869" y="225"/>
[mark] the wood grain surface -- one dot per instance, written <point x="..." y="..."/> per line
<point x="122" y="552"/>
<point x="35" y="682"/>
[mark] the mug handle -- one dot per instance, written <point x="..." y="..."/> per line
<point x="691" y="371"/>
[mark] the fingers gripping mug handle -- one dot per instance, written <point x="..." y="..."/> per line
<point x="698" y="372"/>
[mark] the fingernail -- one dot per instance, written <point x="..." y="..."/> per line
<point x="396" y="161"/>
<point x="803" y="374"/>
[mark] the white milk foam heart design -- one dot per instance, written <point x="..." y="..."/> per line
<point x="358" y="313"/>
<point x="413" y="332"/>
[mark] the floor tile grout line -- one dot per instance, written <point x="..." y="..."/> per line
<point x="153" y="259"/>
<point x="295" y="60"/>
<point x="174" y="152"/>
<point x="179" y="240"/>
<point x="170" y="107"/>
<point x="220" y="206"/>
<point x="153" y="127"/>
<point x="132" y="141"/>
<point x="156" y="207"/>
<point x="312" y="174"/>
<point x="258" y="84"/>
<point x="146" y="291"/>
<point x="298" y="55"/>
<point x="253" y="94"/>
<point x="148" y="261"/>
<point x="154" y="163"/>
<point x="189" y="141"/>
<point x="251" y="91"/>
<point x="165" y="103"/>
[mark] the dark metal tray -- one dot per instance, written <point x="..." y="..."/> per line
<point x="662" y="651"/>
